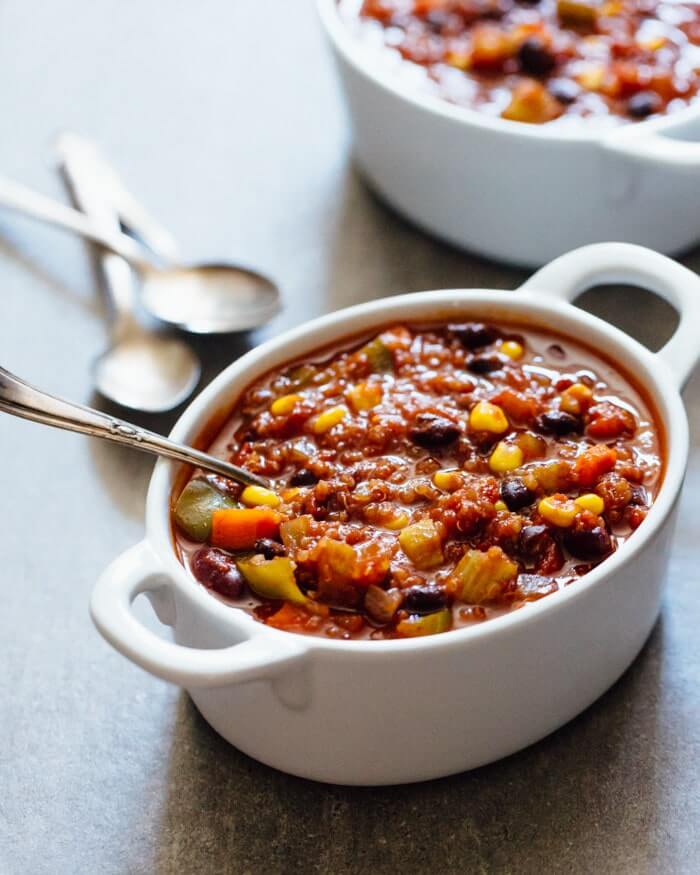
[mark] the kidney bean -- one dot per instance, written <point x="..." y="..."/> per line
<point x="217" y="570"/>
<point x="425" y="599"/>
<point x="559" y="423"/>
<point x="588" y="543"/>
<point x="474" y="335"/>
<point x="515" y="493"/>
<point x="432" y="431"/>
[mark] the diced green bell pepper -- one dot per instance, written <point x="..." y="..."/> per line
<point x="272" y="578"/>
<point x="426" y="624"/>
<point x="379" y="356"/>
<point x="195" y="506"/>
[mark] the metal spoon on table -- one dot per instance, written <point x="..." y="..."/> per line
<point x="21" y="399"/>
<point x="142" y="368"/>
<point x="201" y="298"/>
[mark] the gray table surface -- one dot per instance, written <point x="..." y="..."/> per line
<point x="225" y="118"/>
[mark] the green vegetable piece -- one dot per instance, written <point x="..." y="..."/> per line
<point x="195" y="506"/>
<point x="379" y="356"/>
<point x="428" y="624"/>
<point x="272" y="578"/>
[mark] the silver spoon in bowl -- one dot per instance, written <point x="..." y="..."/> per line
<point x="19" y="398"/>
<point x="200" y="298"/>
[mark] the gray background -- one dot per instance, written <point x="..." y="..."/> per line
<point x="224" y="117"/>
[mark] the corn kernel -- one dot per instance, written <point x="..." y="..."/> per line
<point x="290" y="493"/>
<point x="501" y="505"/>
<point x="591" y="502"/>
<point x="653" y="44"/>
<point x="592" y="78"/>
<point x="284" y="404"/>
<point x="255" y="496"/>
<point x="505" y="457"/>
<point x="488" y="417"/>
<point x="398" y="522"/>
<point x="512" y="349"/>
<point x="576" y="399"/>
<point x="325" y="421"/>
<point x="447" y="480"/>
<point x="364" y="396"/>
<point x="558" y="510"/>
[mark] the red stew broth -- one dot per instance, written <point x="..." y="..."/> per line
<point x="542" y="61"/>
<point x="372" y="476"/>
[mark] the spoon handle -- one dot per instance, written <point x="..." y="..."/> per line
<point x="14" y="196"/>
<point x="20" y="399"/>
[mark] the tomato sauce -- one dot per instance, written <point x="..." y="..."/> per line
<point x="422" y="479"/>
<point x="539" y="62"/>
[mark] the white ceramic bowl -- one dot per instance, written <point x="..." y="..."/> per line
<point x="516" y="192"/>
<point x="380" y="712"/>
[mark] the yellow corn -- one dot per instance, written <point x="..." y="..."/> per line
<point x="398" y="522"/>
<point x="576" y="399"/>
<point x="325" y="421"/>
<point x="501" y="505"/>
<point x="256" y="496"/>
<point x="558" y="510"/>
<point x="284" y="404"/>
<point x="592" y="77"/>
<point x="364" y="396"/>
<point x="447" y="480"/>
<point x="488" y="417"/>
<point x="512" y="349"/>
<point x="505" y="457"/>
<point x="591" y="502"/>
<point x="653" y="44"/>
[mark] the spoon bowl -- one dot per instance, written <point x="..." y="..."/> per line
<point x="209" y="298"/>
<point x="147" y="372"/>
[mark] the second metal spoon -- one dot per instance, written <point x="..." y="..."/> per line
<point x="201" y="298"/>
<point x="21" y="399"/>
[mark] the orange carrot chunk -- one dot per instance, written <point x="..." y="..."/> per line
<point x="240" y="528"/>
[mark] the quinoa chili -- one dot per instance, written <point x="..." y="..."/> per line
<point x="539" y="61"/>
<point x="425" y="479"/>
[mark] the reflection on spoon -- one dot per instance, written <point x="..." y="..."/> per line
<point x="147" y="372"/>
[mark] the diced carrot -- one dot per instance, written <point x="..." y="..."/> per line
<point x="607" y="420"/>
<point x="240" y="528"/>
<point x="593" y="463"/>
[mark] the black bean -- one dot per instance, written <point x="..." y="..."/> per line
<point x="431" y="431"/>
<point x="515" y="494"/>
<point x="303" y="477"/>
<point x="559" y="423"/>
<point x="474" y="335"/>
<point x="533" y="539"/>
<point x="565" y="91"/>
<point x="269" y="548"/>
<point x="643" y="104"/>
<point x="425" y="599"/>
<point x="556" y="351"/>
<point x="486" y="364"/>
<point x="535" y="58"/>
<point x="588" y="543"/>
<point x="217" y="570"/>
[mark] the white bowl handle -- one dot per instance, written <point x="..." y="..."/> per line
<point x="570" y="274"/>
<point x="138" y="570"/>
<point x="658" y="148"/>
